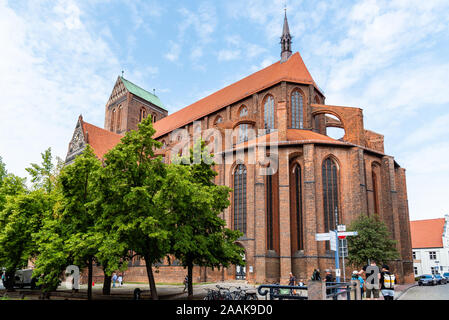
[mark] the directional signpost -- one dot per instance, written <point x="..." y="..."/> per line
<point x="335" y="237"/>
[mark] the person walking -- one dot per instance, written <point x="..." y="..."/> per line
<point x="387" y="283"/>
<point x="329" y="279"/>
<point x="316" y="275"/>
<point x="186" y="282"/>
<point x="114" y="279"/>
<point x="356" y="276"/>
<point x="292" y="282"/>
<point x="120" y="280"/>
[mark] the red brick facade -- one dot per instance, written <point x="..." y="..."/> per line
<point x="368" y="181"/>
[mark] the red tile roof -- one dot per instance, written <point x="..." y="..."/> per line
<point x="293" y="70"/>
<point x="427" y="233"/>
<point x="99" y="139"/>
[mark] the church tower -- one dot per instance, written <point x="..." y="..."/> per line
<point x="128" y="105"/>
<point x="286" y="41"/>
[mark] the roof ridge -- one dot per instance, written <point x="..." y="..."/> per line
<point x="137" y="86"/>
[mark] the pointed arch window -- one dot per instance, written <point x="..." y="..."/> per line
<point x="297" y="110"/>
<point x="218" y="120"/>
<point x="119" y="119"/>
<point x="112" y="120"/>
<point x="240" y="198"/>
<point x="297" y="216"/>
<point x="269" y="114"/>
<point x="243" y="111"/>
<point x="143" y="114"/>
<point x="330" y="195"/>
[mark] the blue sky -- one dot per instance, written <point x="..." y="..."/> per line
<point x="61" y="58"/>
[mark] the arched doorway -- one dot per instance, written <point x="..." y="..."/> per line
<point x="240" y="271"/>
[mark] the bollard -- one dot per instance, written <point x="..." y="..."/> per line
<point x="316" y="290"/>
<point x="357" y="291"/>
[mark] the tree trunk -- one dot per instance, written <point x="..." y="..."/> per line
<point x="190" y="282"/>
<point x="89" y="280"/>
<point x="153" y="289"/>
<point x="107" y="284"/>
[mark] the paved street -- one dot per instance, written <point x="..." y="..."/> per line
<point x="439" y="292"/>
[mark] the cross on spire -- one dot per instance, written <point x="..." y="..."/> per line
<point x="286" y="40"/>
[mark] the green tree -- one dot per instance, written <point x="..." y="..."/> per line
<point x="44" y="176"/>
<point x="194" y="203"/>
<point x="373" y="242"/>
<point x="19" y="220"/>
<point x="78" y="191"/>
<point x="11" y="186"/>
<point x="3" y="171"/>
<point x="131" y="178"/>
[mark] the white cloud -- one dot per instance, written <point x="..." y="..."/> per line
<point x="53" y="69"/>
<point x="174" y="52"/>
<point x="227" y="55"/>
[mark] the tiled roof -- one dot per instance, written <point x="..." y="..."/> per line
<point x="293" y="70"/>
<point x="427" y="233"/>
<point x="138" y="91"/>
<point x="99" y="139"/>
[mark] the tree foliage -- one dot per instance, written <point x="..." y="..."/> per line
<point x="194" y="203"/>
<point x="373" y="242"/>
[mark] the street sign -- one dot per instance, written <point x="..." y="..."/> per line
<point x="333" y="241"/>
<point x="341" y="228"/>
<point x="337" y="272"/>
<point x="327" y="237"/>
<point x="322" y="237"/>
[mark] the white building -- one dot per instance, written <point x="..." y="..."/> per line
<point x="430" y="243"/>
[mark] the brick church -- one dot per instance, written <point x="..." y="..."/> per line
<point x="318" y="181"/>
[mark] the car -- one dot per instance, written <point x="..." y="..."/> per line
<point x="440" y="279"/>
<point x="427" y="280"/>
<point x="23" y="278"/>
<point x="446" y="275"/>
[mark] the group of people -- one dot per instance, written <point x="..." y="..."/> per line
<point x="117" y="279"/>
<point x="384" y="283"/>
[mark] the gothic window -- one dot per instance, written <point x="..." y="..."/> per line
<point x="218" y="120"/>
<point x="153" y="118"/>
<point x="269" y="114"/>
<point x="112" y="120"/>
<point x="119" y="119"/>
<point x="330" y="195"/>
<point x="375" y="192"/>
<point x="143" y="114"/>
<point x="297" y="110"/>
<point x="297" y="207"/>
<point x="270" y="213"/>
<point x="243" y="111"/>
<point x="243" y="133"/>
<point x="240" y="198"/>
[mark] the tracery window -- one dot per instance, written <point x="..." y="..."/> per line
<point x="297" y="110"/>
<point x="240" y="198"/>
<point x="243" y="133"/>
<point x="330" y="195"/>
<point x="243" y="111"/>
<point x="269" y="114"/>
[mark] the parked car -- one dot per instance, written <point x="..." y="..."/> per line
<point x="440" y="279"/>
<point x="427" y="280"/>
<point x="23" y="278"/>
